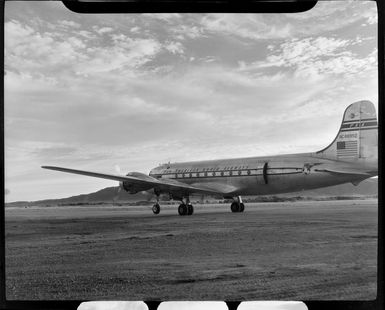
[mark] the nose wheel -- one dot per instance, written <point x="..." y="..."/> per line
<point x="238" y="205"/>
<point x="156" y="208"/>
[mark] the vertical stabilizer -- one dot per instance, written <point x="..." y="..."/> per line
<point x="357" y="138"/>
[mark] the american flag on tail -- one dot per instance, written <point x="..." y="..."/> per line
<point x="347" y="148"/>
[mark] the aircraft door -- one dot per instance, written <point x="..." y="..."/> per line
<point x="264" y="173"/>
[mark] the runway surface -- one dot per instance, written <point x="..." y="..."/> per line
<point x="292" y="251"/>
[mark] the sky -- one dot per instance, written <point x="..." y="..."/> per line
<point x="94" y="92"/>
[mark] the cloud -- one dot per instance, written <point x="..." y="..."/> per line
<point x="69" y="23"/>
<point x="183" y="32"/>
<point x="325" y="16"/>
<point x="30" y="51"/>
<point x="175" y="47"/>
<point x="135" y="29"/>
<point x="315" y="58"/>
<point x="166" y="17"/>
<point x="55" y="152"/>
<point x="102" y="30"/>
<point x="248" y="26"/>
<point x="125" y="54"/>
<point x="86" y="34"/>
<point x="34" y="52"/>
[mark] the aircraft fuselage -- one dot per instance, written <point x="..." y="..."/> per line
<point x="258" y="175"/>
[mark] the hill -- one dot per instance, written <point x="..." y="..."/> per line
<point x="110" y="195"/>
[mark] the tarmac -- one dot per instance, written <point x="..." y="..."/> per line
<point x="306" y="250"/>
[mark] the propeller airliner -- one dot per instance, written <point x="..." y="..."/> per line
<point x="351" y="157"/>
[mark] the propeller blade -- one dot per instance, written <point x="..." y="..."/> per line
<point x="118" y="171"/>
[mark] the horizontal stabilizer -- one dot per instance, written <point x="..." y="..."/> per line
<point x="343" y="170"/>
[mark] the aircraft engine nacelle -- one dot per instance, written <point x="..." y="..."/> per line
<point x="136" y="188"/>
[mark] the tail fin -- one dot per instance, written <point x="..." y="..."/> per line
<point x="357" y="138"/>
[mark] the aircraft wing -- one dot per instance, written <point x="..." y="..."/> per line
<point x="219" y="187"/>
<point x="139" y="179"/>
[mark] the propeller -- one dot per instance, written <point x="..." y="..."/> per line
<point x="119" y="172"/>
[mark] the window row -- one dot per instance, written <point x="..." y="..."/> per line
<point x="210" y="174"/>
<point x="199" y="170"/>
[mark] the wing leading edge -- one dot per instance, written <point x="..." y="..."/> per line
<point x="139" y="179"/>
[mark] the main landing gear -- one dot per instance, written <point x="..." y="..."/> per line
<point x="183" y="209"/>
<point x="186" y="208"/>
<point x="237" y="205"/>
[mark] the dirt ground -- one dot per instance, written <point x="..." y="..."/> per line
<point x="287" y="251"/>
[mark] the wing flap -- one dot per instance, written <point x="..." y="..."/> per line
<point x="219" y="187"/>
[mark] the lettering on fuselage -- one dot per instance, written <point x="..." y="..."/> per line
<point x="347" y="136"/>
<point x="364" y="124"/>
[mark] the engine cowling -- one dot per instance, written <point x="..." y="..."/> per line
<point x="132" y="187"/>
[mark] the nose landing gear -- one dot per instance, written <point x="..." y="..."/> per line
<point x="237" y="205"/>
<point x="156" y="208"/>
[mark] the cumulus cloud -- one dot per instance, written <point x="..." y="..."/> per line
<point x="30" y="51"/>
<point x="126" y="54"/>
<point x="102" y="30"/>
<point x="69" y="23"/>
<point x="316" y="58"/>
<point x="167" y="17"/>
<point x="183" y="32"/>
<point x="322" y="18"/>
<point x="248" y="26"/>
<point x="175" y="47"/>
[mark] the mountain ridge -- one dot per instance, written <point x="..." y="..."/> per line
<point x="112" y="195"/>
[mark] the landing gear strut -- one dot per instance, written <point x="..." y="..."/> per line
<point x="237" y="205"/>
<point x="186" y="208"/>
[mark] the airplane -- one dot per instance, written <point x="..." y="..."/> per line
<point x="351" y="157"/>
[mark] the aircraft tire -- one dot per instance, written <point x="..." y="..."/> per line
<point x="182" y="209"/>
<point x="234" y="207"/>
<point x="241" y="207"/>
<point x="190" y="209"/>
<point x="156" y="208"/>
